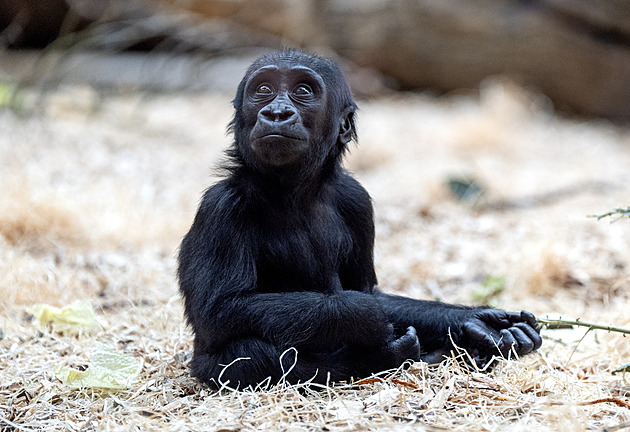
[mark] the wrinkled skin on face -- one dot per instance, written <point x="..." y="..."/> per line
<point x="285" y="117"/>
<point x="286" y="106"/>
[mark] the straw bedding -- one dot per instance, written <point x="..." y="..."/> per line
<point x="98" y="189"/>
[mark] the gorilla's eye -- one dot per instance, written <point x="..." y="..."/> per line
<point x="264" y="89"/>
<point x="303" y="90"/>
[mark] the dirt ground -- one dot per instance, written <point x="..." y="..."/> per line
<point x="97" y="190"/>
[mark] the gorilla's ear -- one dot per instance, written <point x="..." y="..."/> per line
<point x="346" y="126"/>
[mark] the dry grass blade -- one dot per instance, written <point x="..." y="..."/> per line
<point x="613" y="400"/>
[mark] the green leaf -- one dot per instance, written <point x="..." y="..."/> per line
<point x="491" y="287"/>
<point x="10" y="97"/>
<point x="465" y="189"/>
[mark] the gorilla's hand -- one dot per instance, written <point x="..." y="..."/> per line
<point x="406" y="347"/>
<point x="493" y="331"/>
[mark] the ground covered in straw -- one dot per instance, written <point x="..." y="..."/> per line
<point x="97" y="190"/>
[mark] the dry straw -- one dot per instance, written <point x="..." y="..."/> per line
<point x="538" y="391"/>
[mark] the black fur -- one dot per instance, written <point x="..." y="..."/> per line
<point x="279" y="255"/>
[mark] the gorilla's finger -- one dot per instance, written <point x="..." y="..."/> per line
<point x="507" y="342"/>
<point x="411" y="331"/>
<point x="524" y="344"/>
<point x="533" y="335"/>
<point x="408" y="346"/>
<point x="495" y="317"/>
<point x="481" y="337"/>
<point x="530" y="319"/>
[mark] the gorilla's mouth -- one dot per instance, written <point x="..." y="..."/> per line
<point x="279" y="149"/>
<point x="275" y="135"/>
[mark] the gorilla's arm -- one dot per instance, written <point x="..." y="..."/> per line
<point x="483" y="331"/>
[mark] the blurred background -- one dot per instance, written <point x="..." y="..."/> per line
<point x="576" y="52"/>
<point x="489" y="132"/>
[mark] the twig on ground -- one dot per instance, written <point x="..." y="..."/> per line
<point x="621" y="212"/>
<point x="563" y="323"/>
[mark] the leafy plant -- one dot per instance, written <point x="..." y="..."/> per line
<point x="491" y="287"/>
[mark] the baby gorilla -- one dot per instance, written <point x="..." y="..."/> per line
<point x="280" y="254"/>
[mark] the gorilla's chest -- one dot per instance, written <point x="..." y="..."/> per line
<point x="302" y="253"/>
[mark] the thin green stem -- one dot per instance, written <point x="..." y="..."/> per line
<point x="560" y="322"/>
<point x="621" y="212"/>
